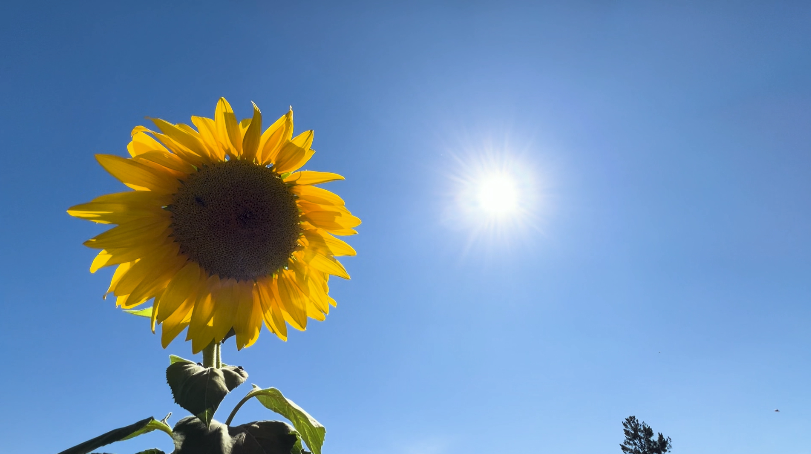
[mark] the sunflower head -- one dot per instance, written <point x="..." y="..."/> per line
<point x="221" y="228"/>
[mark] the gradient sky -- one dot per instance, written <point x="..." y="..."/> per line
<point x="662" y="268"/>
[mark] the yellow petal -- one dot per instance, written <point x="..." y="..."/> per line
<point x="181" y="151"/>
<point x="129" y="254"/>
<point x="176" y="147"/>
<point x="100" y="261"/>
<point x="330" y="220"/>
<point x="294" y="153"/>
<point x="319" y="298"/>
<point x="155" y="282"/>
<point x="307" y="206"/>
<point x="176" y="322"/>
<point x="250" y="142"/>
<point x="142" y="143"/>
<point x="343" y="232"/>
<point x="293" y="303"/>
<point x="136" y="175"/>
<point x="317" y="195"/>
<point x="328" y="265"/>
<point x="121" y="301"/>
<point x="207" y="150"/>
<point x="312" y="177"/>
<point x="145" y="270"/>
<point x="227" y="299"/>
<point x="208" y="134"/>
<point x="322" y="282"/>
<point x="327" y="244"/>
<point x="191" y="131"/>
<point x="243" y="126"/>
<point x="227" y="129"/>
<point x="167" y="160"/>
<point x="248" y="320"/>
<point x="190" y="142"/>
<point x="182" y="287"/>
<point x="116" y="213"/>
<point x="119" y="273"/>
<point x="153" y="311"/>
<point x="257" y="298"/>
<point x="274" y="137"/>
<point x="314" y="313"/>
<point x="138" y="199"/>
<point x="200" y="332"/>
<point x="131" y="233"/>
<point x="317" y="305"/>
<point x="271" y="311"/>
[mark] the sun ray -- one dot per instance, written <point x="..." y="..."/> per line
<point x="496" y="196"/>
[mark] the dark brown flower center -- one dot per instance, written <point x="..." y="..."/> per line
<point x="236" y="220"/>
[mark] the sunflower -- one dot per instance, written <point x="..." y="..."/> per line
<point x="222" y="229"/>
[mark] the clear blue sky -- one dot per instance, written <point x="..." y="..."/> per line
<point x="666" y="272"/>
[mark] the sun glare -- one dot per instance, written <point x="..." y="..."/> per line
<point x="498" y="195"/>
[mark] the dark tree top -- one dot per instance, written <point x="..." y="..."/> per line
<point x="639" y="438"/>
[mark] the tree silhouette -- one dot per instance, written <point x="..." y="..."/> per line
<point x="639" y="438"/>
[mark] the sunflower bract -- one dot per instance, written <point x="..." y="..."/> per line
<point x="221" y="228"/>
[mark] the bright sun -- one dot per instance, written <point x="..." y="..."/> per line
<point x="497" y="195"/>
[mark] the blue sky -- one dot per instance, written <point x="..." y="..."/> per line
<point x="663" y="269"/>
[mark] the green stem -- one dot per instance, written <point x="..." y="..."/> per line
<point x="210" y="355"/>
<point x="239" y="405"/>
<point x="218" y="356"/>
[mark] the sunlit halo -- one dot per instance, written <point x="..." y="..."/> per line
<point x="498" y="195"/>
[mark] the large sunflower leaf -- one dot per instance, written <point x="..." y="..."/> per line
<point x="192" y="436"/>
<point x="264" y="437"/>
<point x="123" y="433"/>
<point x="311" y="431"/>
<point x="200" y="389"/>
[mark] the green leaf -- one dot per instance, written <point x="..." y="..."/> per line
<point x="192" y="436"/>
<point x="200" y="389"/>
<point x="176" y="359"/>
<point x="124" y="433"/>
<point x="151" y="425"/>
<point x="297" y="447"/>
<point x="151" y="451"/>
<point x="311" y="431"/>
<point x="145" y="312"/>
<point x="264" y="437"/>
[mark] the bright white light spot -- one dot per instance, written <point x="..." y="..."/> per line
<point x="498" y="195"/>
<point x="495" y="197"/>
